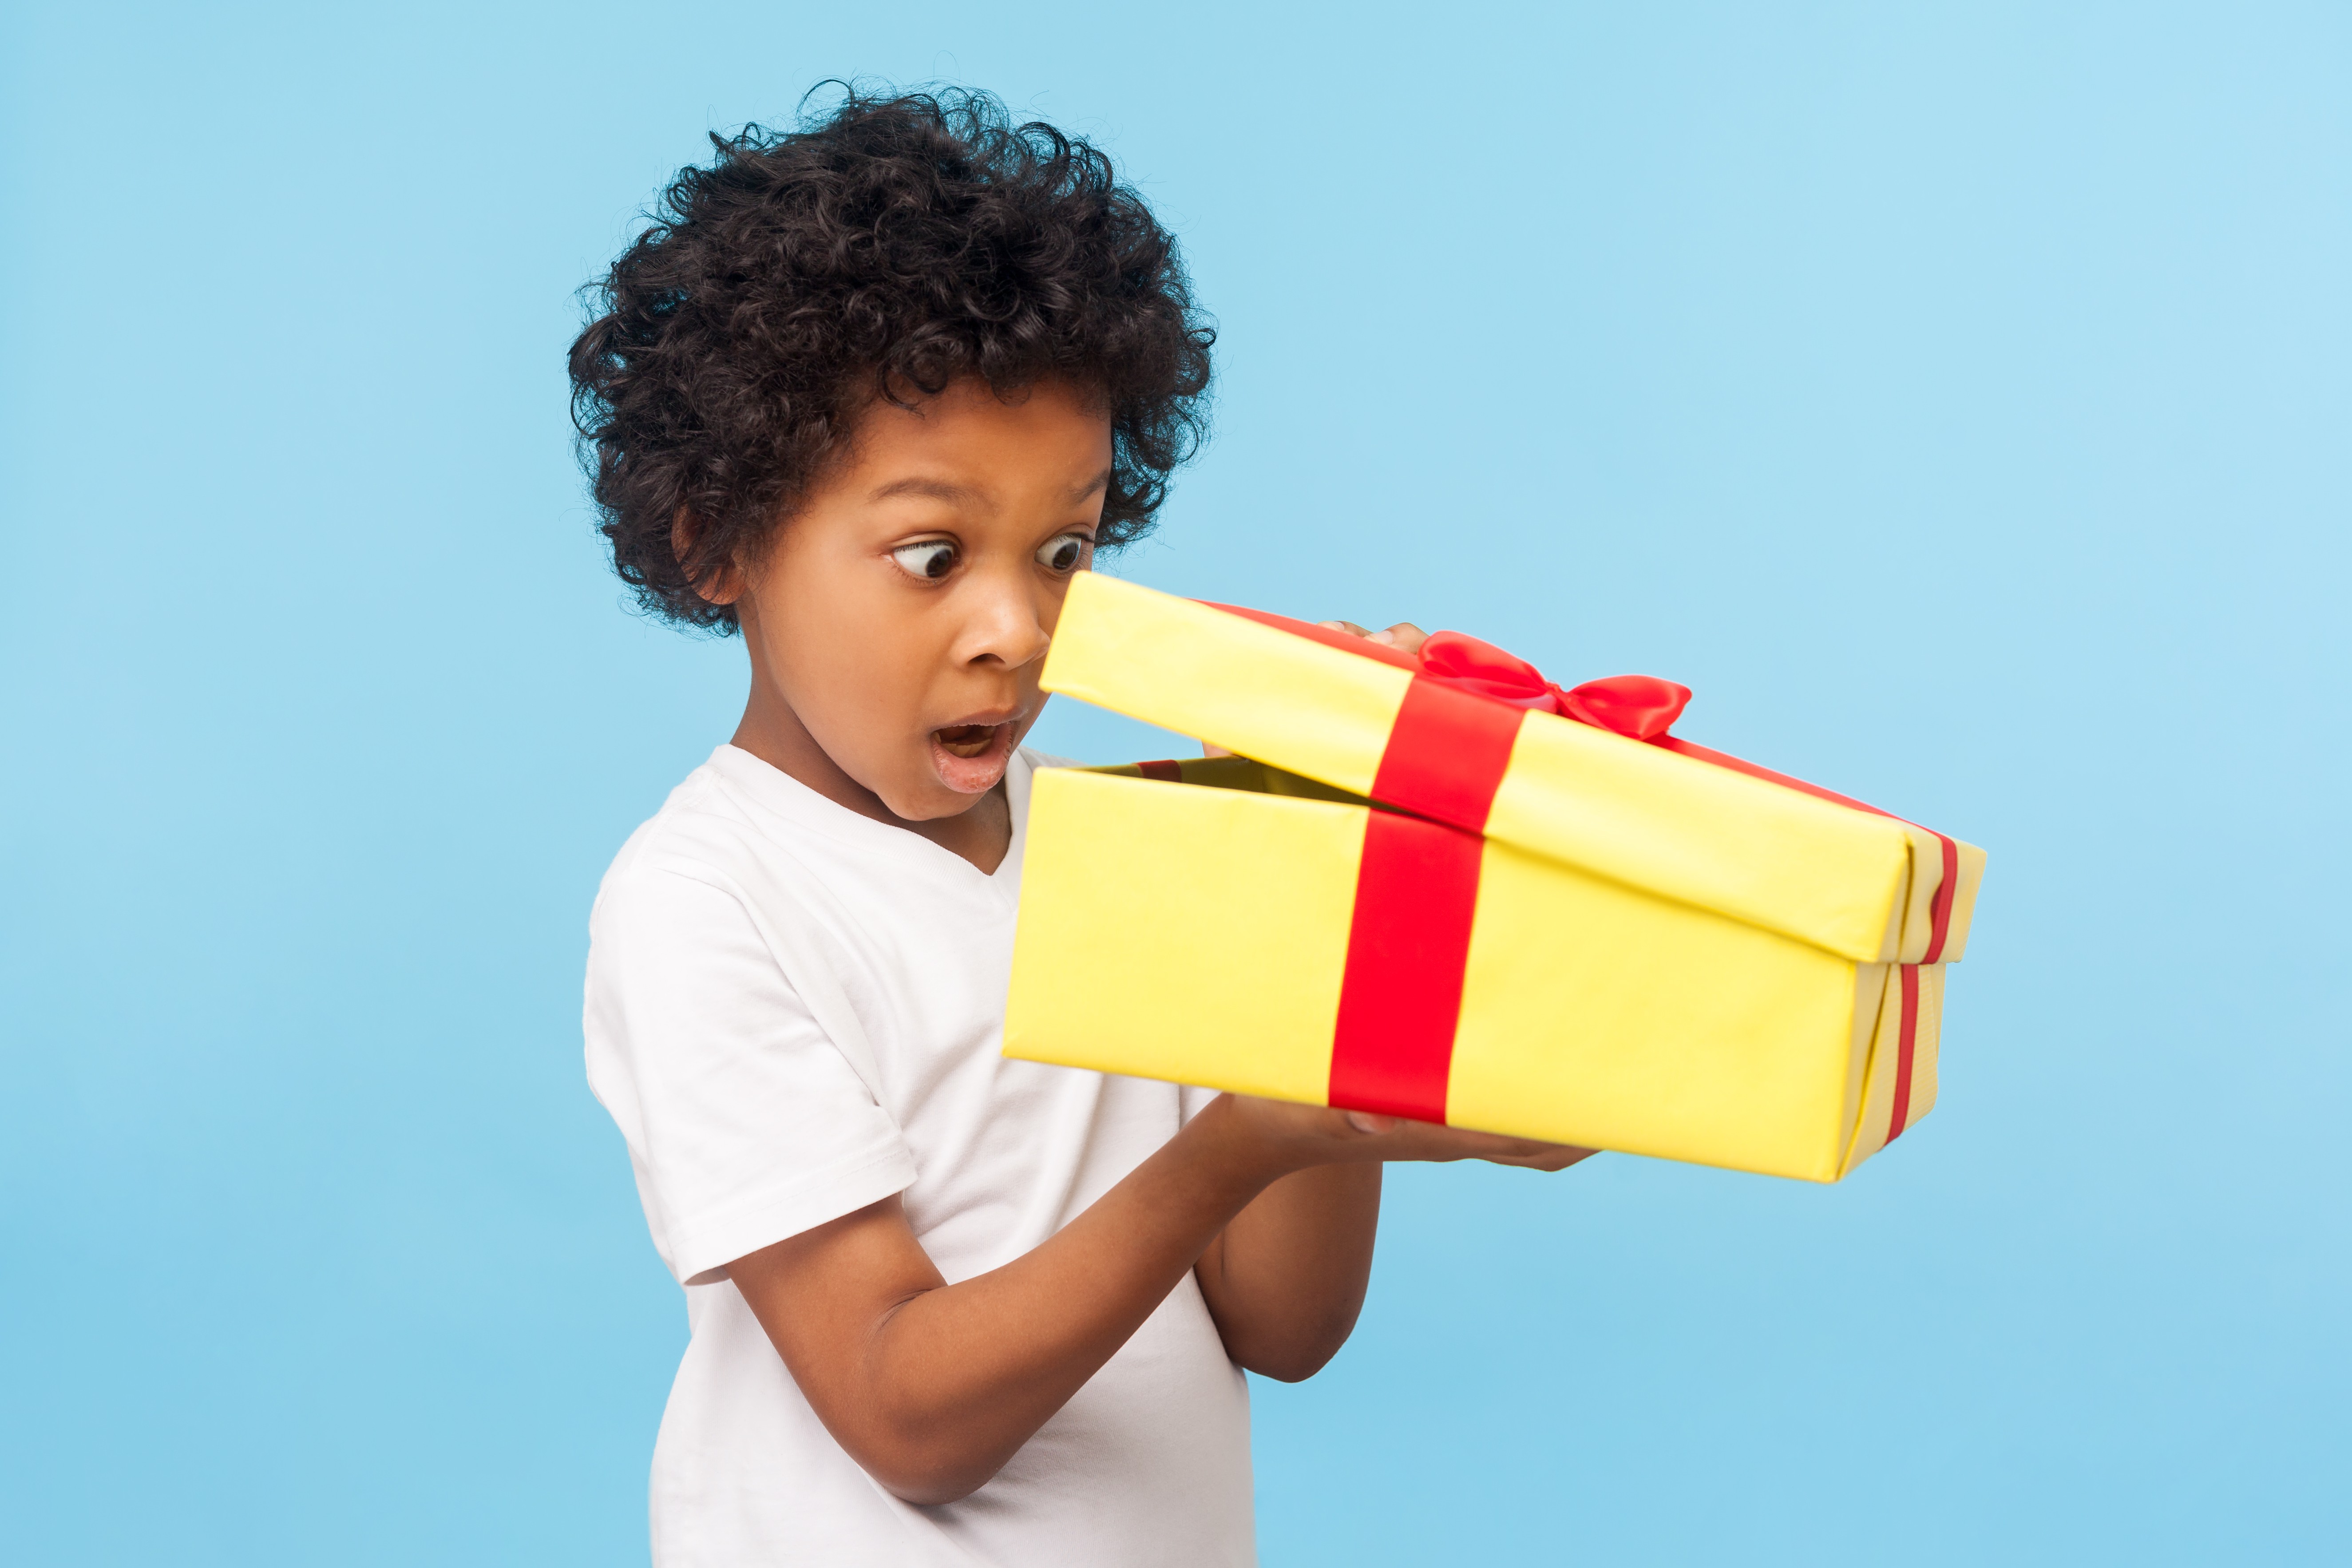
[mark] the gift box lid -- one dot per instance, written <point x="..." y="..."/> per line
<point x="1652" y="811"/>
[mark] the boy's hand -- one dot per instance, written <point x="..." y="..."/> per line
<point x="1317" y="1135"/>
<point x="1405" y="637"/>
<point x="1400" y="1139"/>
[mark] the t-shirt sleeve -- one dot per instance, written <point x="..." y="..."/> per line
<point x="745" y="1123"/>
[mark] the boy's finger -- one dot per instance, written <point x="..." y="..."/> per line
<point x="1343" y="626"/>
<point x="1554" y="1157"/>
<point x="1500" y="1149"/>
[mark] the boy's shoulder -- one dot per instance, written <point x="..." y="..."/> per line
<point x="701" y="832"/>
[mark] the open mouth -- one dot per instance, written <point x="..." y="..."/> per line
<point x="968" y="740"/>
<point x="970" y="758"/>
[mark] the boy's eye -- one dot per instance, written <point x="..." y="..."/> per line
<point x="933" y="558"/>
<point x="1063" y="551"/>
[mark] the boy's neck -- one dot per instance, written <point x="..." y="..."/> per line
<point x="772" y="732"/>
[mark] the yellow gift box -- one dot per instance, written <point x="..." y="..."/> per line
<point x="1446" y="889"/>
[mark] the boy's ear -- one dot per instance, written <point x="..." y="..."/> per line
<point x="718" y="582"/>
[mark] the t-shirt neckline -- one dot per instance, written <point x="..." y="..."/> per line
<point x="770" y="787"/>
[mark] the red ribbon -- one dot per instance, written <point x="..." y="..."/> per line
<point x="1417" y="885"/>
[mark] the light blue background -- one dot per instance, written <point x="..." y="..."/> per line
<point x="1956" y="396"/>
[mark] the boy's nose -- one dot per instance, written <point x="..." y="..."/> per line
<point x="1007" y="625"/>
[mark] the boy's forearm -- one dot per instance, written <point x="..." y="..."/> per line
<point x="951" y="1380"/>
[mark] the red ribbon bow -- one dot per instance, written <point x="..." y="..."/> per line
<point x="1640" y="707"/>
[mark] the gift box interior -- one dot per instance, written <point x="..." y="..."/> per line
<point x="1635" y="949"/>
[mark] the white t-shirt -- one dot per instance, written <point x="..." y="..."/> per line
<point x="748" y="1123"/>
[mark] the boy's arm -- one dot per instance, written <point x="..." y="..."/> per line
<point x="932" y="1387"/>
<point x="1286" y="1280"/>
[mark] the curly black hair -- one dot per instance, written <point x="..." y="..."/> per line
<point x="882" y="249"/>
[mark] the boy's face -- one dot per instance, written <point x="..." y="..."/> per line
<point x="901" y="615"/>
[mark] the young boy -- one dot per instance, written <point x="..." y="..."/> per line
<point x="870" y="392"/>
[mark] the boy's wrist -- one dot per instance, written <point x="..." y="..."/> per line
<point x="1234" y="1146"/>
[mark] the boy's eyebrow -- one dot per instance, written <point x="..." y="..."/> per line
<point x="938" y="490"/>
<point x="950" y="492"/>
